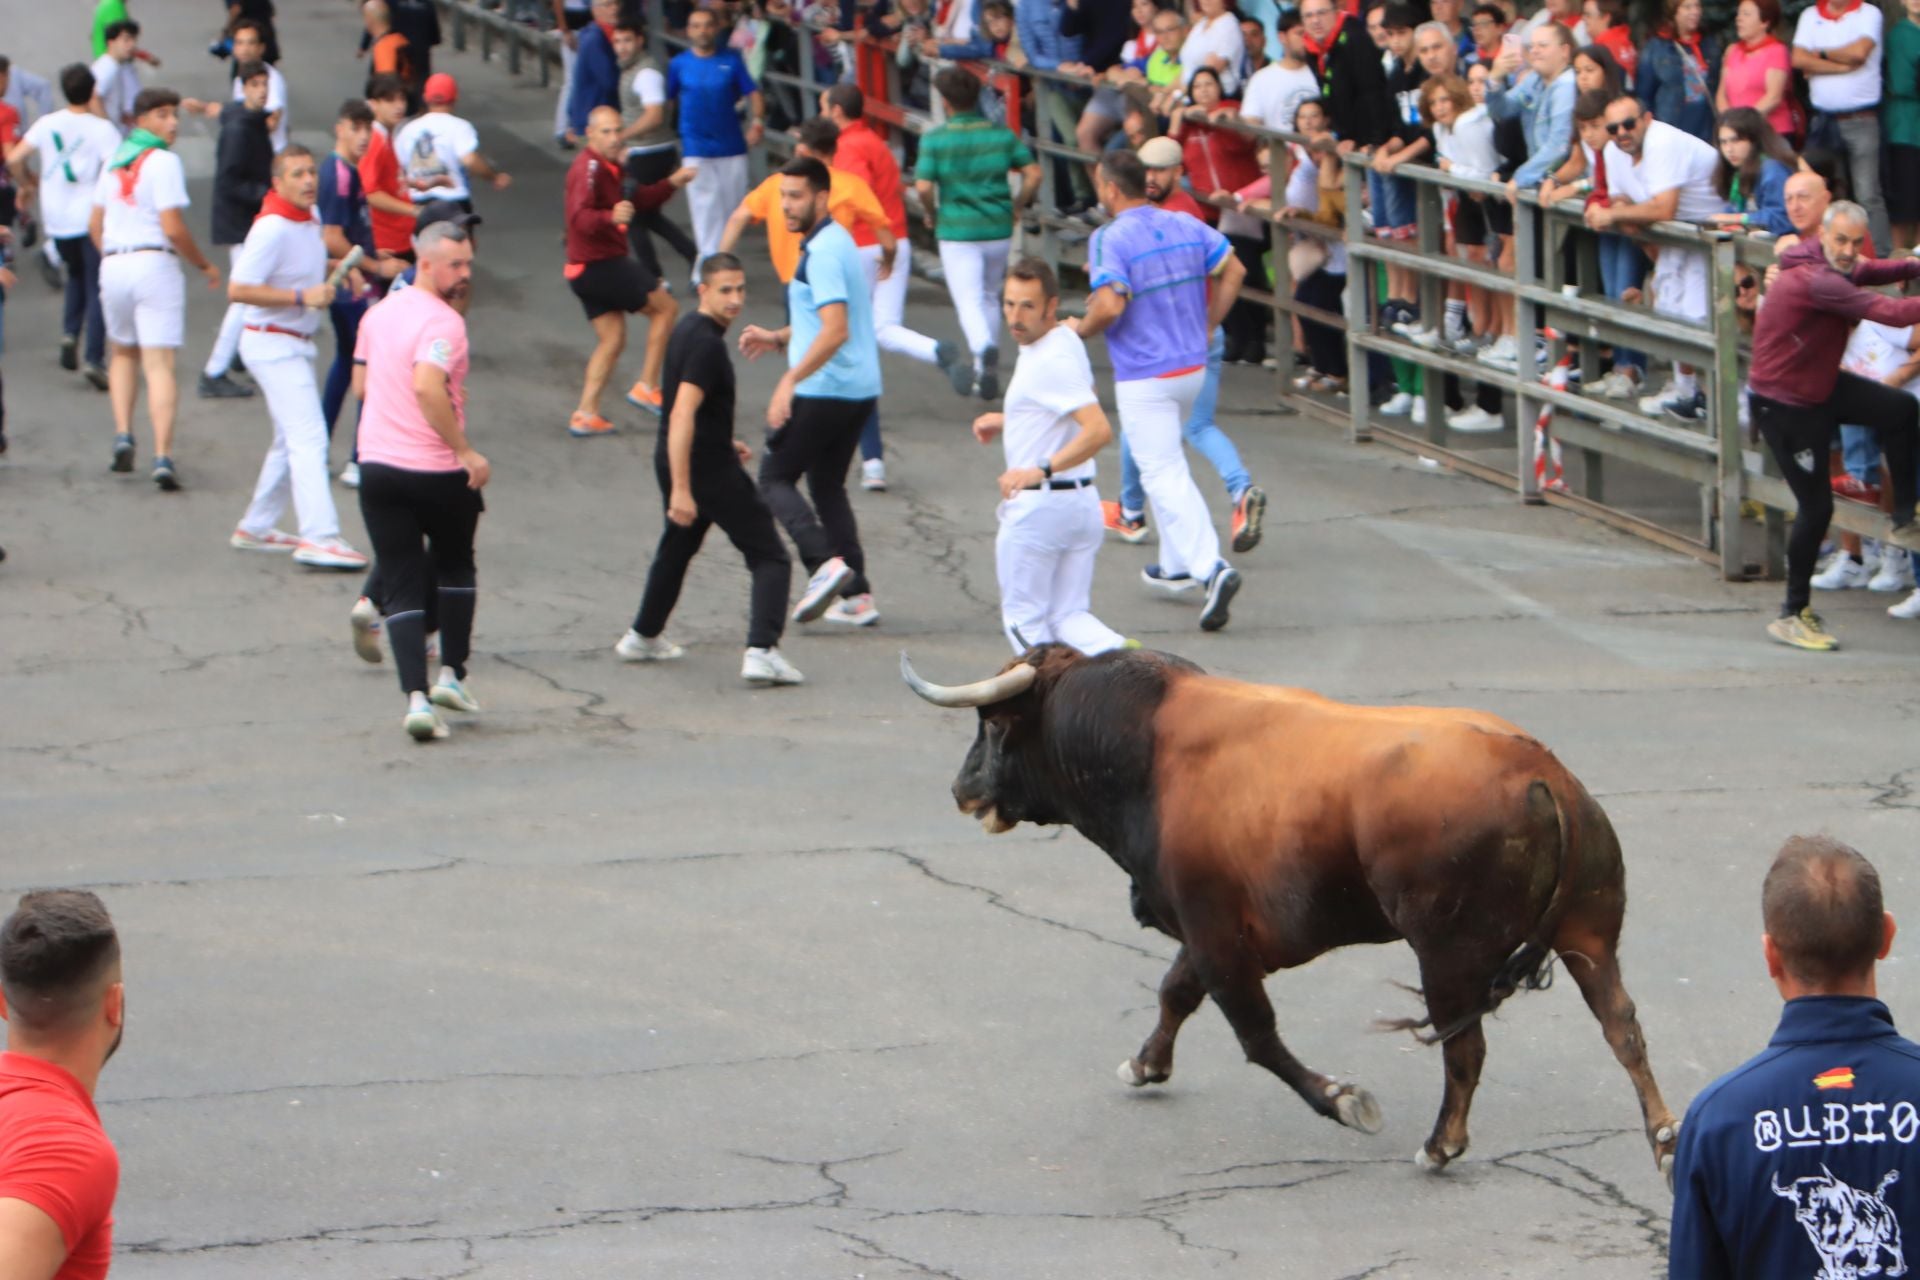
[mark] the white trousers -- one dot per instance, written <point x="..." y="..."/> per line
<point x="1151" y="413"/>
<point x="975" y="270"/>
<point x="221" y="358"/>
<point x="296" y="463"/>
<point x="712" y="197"/>
<point x="890" y="304"/>
<point x="1044" y="554"/>
<point x="567" y="55"/>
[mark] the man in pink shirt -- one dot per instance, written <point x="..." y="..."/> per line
<point x="420" y="478"/>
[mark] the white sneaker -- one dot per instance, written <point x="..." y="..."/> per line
<point x="873" y="475"/>
<point x="1420" y="411"/>
<point x="1428" y="339"/>
<point x="827" y="582"/>
<point x="769" y="666"/>
<point x="853" y="611"/>
<point x="271" y="540"/>
<point x="1503" y="354"/>
<point x="1651" y="402"/>
<point x="329" y="553"/>
<point x="350" y="475"/>
<point x="634" y="647"/>
<point x="449" y="692"/>
<point x="1474" y="420"/>
<point x="1617" y="385"/>
<point x="1845" y="574"/>
<point x="425" y="725"/>
<point x="366" y="629"/>
<point x="1398" y="406"/>
<point x="1908" y="608"/>
<point x="1895" y="572"/>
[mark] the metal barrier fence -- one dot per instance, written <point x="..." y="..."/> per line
<point x="1725" y="472"/>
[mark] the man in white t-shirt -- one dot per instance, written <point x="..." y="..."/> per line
<point x="439" y="151"/>
<point x="280" y="278"/>
<point x="1838" y="49"/>
<point x="1277" y="89"/>
<point x="116" y="85"/>
<point x="72" y="146"/>
<point x="1657" y="173"/>
<point x="1051" y="427"/>
<point x="139" y="226"/>
<point x="250" y="45"/>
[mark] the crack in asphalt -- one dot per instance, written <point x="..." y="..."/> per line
<point x="1895" y="793"/>
<point x="994" y="898"/>
<point x="589" y="708"/>
<point x="876" y="1252"/>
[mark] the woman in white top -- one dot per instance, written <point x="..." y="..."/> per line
<point x="1215" y="40"/>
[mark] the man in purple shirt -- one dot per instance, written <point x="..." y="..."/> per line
<point x="1150" y="272"/>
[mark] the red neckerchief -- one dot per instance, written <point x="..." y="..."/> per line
<point x="1569" y="23"/>
<point x="1834" y="15"/>
<point x="1692" y="42"/>
<point x="941" y="14"/>
<point x="1320" y="51"/>
<point x="1765" y="39"/>
<point x="275" y="206"/>
<point x="606" y="29"/>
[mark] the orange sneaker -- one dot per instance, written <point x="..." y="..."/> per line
<point x="1134" y="531"/>
<point x="642" y="396"/>
<point x="589" y="424"/>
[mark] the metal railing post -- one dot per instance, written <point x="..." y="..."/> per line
<point x="1043" y="92"/>
<point x="1723" y="408"/>
<point x="1430" y="219"/>
<point x="1359" y="291"/>
<point x="1527" y="219"/>
<point x="1280" y="162"/>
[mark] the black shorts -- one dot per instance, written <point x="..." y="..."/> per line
<point x="1903" y="182"/>
<point x="613" y="284"/>
<point x="1499" y="217"/>
<point x="1469" y="222"/>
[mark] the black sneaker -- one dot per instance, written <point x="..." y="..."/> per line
<point x="1691" y="408"/>
<point x="222" y="388"/>
<point x="958" y="368"/>
<point x="163" y="475"/>
<point x="97" y="375"/>
<point x="990" y="373"/>
<point x="1221" y="589"/>
<point x="70" y="352"/>
<point x="123" y="453"/>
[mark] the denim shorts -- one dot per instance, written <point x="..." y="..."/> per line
<point x="1394" y="205"/>
<point x="1860" y="454"/>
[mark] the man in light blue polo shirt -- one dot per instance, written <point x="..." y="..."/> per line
<point x="821" y="405"/>
<point x="707" y="83"/>
<point x="1150" y="271"/>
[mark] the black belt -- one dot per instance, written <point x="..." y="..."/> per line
<point x="1081" y="483"/>
<point x="139" y="248"/>
<point x="1854" y="115"/>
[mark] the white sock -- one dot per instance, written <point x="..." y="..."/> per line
<point x="1684" y="383"/>
<point x="447" y="676"/>
<point x="416" y="701"/>
<point x="1455" y="323"/>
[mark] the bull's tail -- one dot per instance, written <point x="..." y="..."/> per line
<point x="1530" y="966"/>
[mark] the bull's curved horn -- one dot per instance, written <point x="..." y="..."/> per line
<point x="1008" y="684"/>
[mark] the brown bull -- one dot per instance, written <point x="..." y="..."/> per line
<point x="1263" y="826"/>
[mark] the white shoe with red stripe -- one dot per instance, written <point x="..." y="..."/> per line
<point x="330" y="553"/>
<point x="271" y="540"/>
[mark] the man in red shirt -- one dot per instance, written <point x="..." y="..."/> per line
<point x="605" y="275"/>
<point x="862" y="153"/>
<point x="393" y="212"/>
<point x="65" y="1007"/>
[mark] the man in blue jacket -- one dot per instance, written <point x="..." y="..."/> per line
<point x="1802" y="1164"/>
<point x="596" y="69"/>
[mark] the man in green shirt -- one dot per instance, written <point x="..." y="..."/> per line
<point x="105" y="14"/>
<point x="1900" y="125"/>
<point x="962" y="173"/>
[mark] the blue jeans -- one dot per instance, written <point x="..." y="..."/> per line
<point x="1394" y="202"/>
<point x="1200" y="431"/>
<point x="1622" y="267"/>
<point x="346" y="313"/>
<point x="1860" y="454"/>
<point x="870" y="447"/>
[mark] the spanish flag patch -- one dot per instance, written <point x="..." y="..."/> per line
<point x="1834" y="1078"/>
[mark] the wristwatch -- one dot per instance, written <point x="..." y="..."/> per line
<point x="1046" y="468"/>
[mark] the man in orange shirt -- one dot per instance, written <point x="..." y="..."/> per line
<point x="388" y="52"/>
<point x="863" y="154"/>
<point x="851" y="203"/>
<point x="393" y="211"/>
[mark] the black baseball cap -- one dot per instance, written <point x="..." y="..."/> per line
<point x="443" y="211"/>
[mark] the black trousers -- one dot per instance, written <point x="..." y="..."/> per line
<point x="818" y="443"/>
<point x="1801" y="440"/>
<point x="727" y="498"/>
<point x="1246" y="322"/>
<point x="1326" y="346"/>
<point x="644" y="170"/>
<point x="422" y="525"/>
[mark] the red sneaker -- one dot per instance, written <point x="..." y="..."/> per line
<point x="1134" y="531"/>
<point x="588" y="424"/>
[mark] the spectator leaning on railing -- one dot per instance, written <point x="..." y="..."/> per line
<point x="1752" y="178"/>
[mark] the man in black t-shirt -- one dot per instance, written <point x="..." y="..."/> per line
<point x="703" y="482"/>
<point x="242" y="175"/>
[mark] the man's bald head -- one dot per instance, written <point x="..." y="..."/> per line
<point x="603" y="132"/>
<point x="1825" y="920"/>
<point x="376" y="15"/>
<point x="1807" y="199"/>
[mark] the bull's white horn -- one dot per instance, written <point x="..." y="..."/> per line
<point x="1008" y="684"/>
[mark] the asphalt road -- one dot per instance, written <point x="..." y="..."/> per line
<point x="648" y="974"/>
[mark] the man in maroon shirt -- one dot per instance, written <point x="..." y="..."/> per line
<point x="65" y="1008"/>
<point x="601" y="267"/>
<point x="1798" y="395"/>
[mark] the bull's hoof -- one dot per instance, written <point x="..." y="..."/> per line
<point x="1428" y="1162"/>
<point x="1132" y="1073"/>
<point x="1355" y="1108"/>
<point x="1664" y="1140"/>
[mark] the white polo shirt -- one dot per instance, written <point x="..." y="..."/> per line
<point x="1052" y="382"/>
<point x="73" y="147"/>
<point x="117" y="85"/>
<point x="1669" y="158"/>
<point x="276" y="101"/>
<point x="434" y="147"/>
<point x="283" y="254"/>
<point x="1854" y="90"/>
<point x="133" y="221"/>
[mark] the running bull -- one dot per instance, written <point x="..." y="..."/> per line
<point x="1264" y="826"/>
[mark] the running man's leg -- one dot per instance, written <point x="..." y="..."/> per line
<point x="1800" y="440"/>
<point x="451" y="516"/>
<point x="1133" y="495"/>
<point x="993" y="277"/>
<point x="294" y="404"/>
<point x="871" y="448"/>
<point x="345" y="314"/>
<point x="274" y="486"/>
<point x="123" y="386"/>
<point x="741" y="514"/>
<point x="73" y="316"/>
<point x="827" y="481"/>
<point x="163" y="395"/>
<point x="678" y="545"/>
<point x="964" y="265"/>
<point x="791" y="452"/>
<point x="1078" y="533"/>
<point x="1152" y="412"/>
<point x="96" y="343"/>
<point x="389" y="505"/>
<point x="890" y="309"/>
<point x="227" y="344"/>
<point x="610" y="339"/>
<point x="660" y="312"/>
<point x="1893" y="416"/>
<point x="1206" y="436"/>
<point x="1025" y="562"/>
